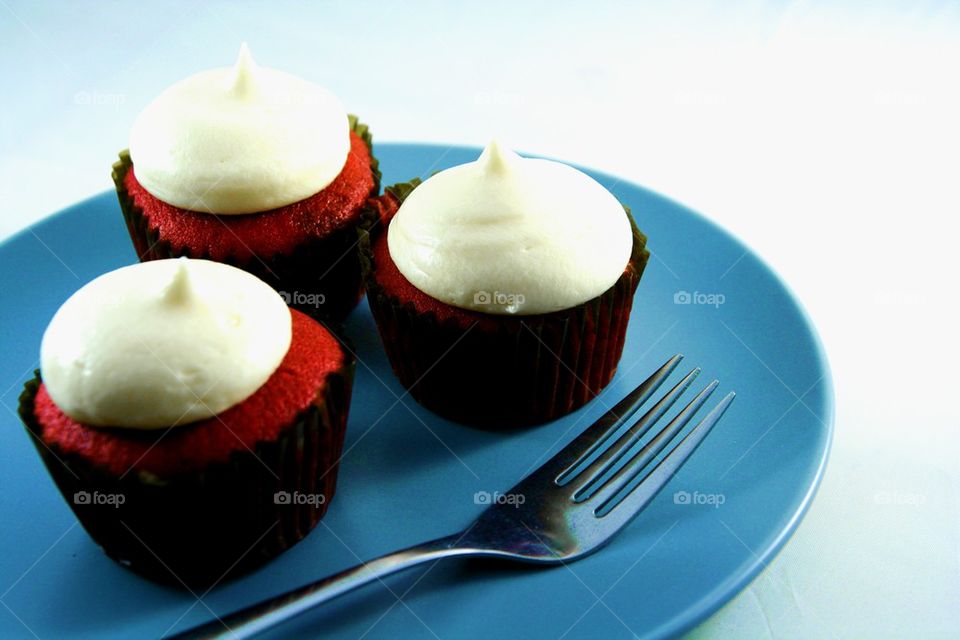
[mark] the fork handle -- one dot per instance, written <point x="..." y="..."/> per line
<point x="259" y="617"/>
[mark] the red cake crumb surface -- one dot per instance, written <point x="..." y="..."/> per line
<point x="314" y="353"/>
<point x="278" y="231"/>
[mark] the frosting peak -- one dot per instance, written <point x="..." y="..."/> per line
<point x="163" y="343"/>
<point x="497" y="159"/>
<point x="511" y="235"/>
<point x="239" y="139"/>
<point x="180" y="289"/>
<point x="243" y="79"/>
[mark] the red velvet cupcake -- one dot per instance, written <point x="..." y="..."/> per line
<point x="191" y="420"/>
<point x="258" y="169"/>
<point x="503" y="327"/>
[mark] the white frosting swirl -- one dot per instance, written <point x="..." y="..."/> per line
<point x="239" y="140"/>
<point x="163" y="343"/>
<point x="511" y="235"/>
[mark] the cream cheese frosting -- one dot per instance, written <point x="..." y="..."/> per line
<point x="511" y="235"/>
<point x="239" y="140"/>
<point x="163" y="343"/>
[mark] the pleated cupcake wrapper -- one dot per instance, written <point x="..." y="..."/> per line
<point x="334" y="257"/>
<point x="505" y="371"/>
<point x="363" y="131"/>
<point x="199" y="527"/>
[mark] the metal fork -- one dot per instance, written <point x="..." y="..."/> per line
<point x="572" y="505"/>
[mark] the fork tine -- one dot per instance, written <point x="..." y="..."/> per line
<point x="647" y="453"/>
<point x="642" y="488"/>
<point x="604" y="487"/>
<point x="596" y="436"/>
<point x="630" y="437"/>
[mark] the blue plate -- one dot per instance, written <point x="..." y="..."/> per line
<point x="409" y="476"/>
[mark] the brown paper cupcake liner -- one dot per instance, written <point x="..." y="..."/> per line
<point x="200" y="527"/>
<point x="504" y="371"/>
<point x="327" y="266"/>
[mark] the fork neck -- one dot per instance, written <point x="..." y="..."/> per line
<point x="258" y="618"/>
<point x="445" y="547"/>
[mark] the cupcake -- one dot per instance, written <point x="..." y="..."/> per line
<point x="256" y="168"/>
<point x="191" y="420"/>
<point x="502" y="288"/>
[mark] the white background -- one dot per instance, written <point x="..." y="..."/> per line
<point x="827" y="136"/>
